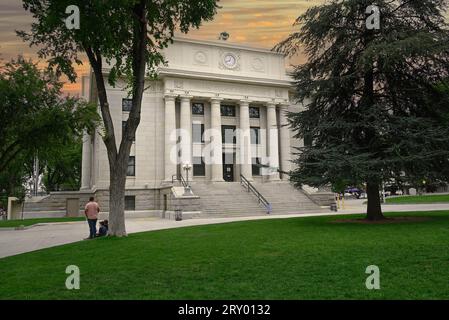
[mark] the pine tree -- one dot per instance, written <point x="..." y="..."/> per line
<point x="376" y="100"/>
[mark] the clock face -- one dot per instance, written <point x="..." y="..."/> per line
<point x="230" y="60"/>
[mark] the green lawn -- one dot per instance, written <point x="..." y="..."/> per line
<point x="30" y="222"/>
<point x="437" y="198"/>
<point x="308" y="258"/>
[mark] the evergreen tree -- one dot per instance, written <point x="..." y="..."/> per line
<point x="375" y="100"/>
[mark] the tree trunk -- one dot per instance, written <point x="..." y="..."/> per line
<point x="118" y="159"/>
<point x="374" y="210"/>
<point x="117" y="202"/>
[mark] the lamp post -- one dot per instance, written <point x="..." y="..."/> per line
<point x="187" y="190"/>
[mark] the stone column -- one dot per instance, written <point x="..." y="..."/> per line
<point x="216" y="141"/>
<point x="171" y="153"/>
<point x="285" y="148"/>
<point x="186" y="130"/>
<point x="272" y="141"/>
<point x="86" y="169"/>
<point x="245" y="141"/>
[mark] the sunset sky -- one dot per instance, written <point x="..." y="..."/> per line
<point x="261" y="23"/>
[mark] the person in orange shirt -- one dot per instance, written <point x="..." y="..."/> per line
<point x="91" y="211"/>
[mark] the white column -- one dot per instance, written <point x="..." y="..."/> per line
<point x="272" y="141"/>
<point x="245" y="141"/>
<point x="86" y="169"/>
<point x="216" y="141"/>
<point x="171" y="154"/>
<point x="186" y="130"/>
<point x="285" y="142"/>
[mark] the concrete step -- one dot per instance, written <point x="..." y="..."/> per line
<point x="231" y="198"/>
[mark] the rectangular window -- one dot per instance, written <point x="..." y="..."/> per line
<point x="130" y="203"/>
<point x="308" y="140"/>
<point x="198" y="108"/>
<point x="198" y="132"/>
<point x="199" y="167"/>
<point x="127" y="105"/>
<point x="228" y="134"/>
<point x="256" y="166"/>
<point x="255" y="135"/>
<point x="254" y="112"/>
<point x="131" y="171"/>
<point x="227" y="111"/>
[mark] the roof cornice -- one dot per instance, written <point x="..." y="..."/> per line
<point x="221" y="77"/>
<point x="226" y="45"/>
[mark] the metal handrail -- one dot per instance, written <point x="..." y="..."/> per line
<point x="179" y="178"/>
<point x="250" y="188"/>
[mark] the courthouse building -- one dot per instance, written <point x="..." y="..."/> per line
<point x="221" y="109"/>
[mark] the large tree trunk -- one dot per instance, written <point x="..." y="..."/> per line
<point x="118" y="159"/>
<point x="374" y="210"/>
<point x="117" y="202"/>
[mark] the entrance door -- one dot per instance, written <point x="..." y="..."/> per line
<point x="228" y="167"/>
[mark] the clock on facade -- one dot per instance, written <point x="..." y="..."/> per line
<point x="230" y="60"/>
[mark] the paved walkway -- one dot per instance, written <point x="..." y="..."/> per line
<point x="14" y="242"/>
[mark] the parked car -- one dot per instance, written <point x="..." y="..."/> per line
<point x="363" y="195"/>
<point x="355" y="192"/>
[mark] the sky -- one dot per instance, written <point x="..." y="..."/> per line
<point x="261" y="23"/>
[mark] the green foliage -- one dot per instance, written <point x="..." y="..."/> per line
<point x="62" y="166"/>
<point x="36" y="120"/>
<point x="376" y="101"/>
<point x="107" y="31"/>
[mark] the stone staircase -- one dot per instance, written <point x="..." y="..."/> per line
<point x="226" y="199"/>
<point x="286" y="199"/>
<point x="232" y="199"/>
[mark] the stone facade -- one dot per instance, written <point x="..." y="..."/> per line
<point x="207" y="90"/>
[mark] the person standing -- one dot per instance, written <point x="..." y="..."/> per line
<point x="91" y="211"/>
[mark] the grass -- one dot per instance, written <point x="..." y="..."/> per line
<point x="30" y="222"/>
<point x="305" y="258"/>
<point x="436" y="198"/>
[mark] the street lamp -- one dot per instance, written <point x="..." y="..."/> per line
<point x="187" y="190"/>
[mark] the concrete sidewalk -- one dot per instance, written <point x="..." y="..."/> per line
<point x="14" y="242"/>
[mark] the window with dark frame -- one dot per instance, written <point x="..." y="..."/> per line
<point x="199" y="167"/>
<point x="255" y="135"/>
<point x="228" y="134"/>
<point x="131" y="170"/>
<point x="254" y="112"/>
<point x="198" y="108"/>
<point x="130" y="203"/>
<point x="198" y="133"/>
<point x="256" y="166"/>
<point x="227" y="110"/>
<point x="308" y="140"/>
<point x="127" y="104"/>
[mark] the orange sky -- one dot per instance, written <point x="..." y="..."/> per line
<point x="261" y="23"/>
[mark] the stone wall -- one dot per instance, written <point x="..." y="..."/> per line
<point x="148" y="202"/>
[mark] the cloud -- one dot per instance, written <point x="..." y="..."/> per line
<point x="261" y="23"/>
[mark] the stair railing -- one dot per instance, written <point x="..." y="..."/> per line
<point x="180" y="178"/>
<point x="250" y="188"/>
